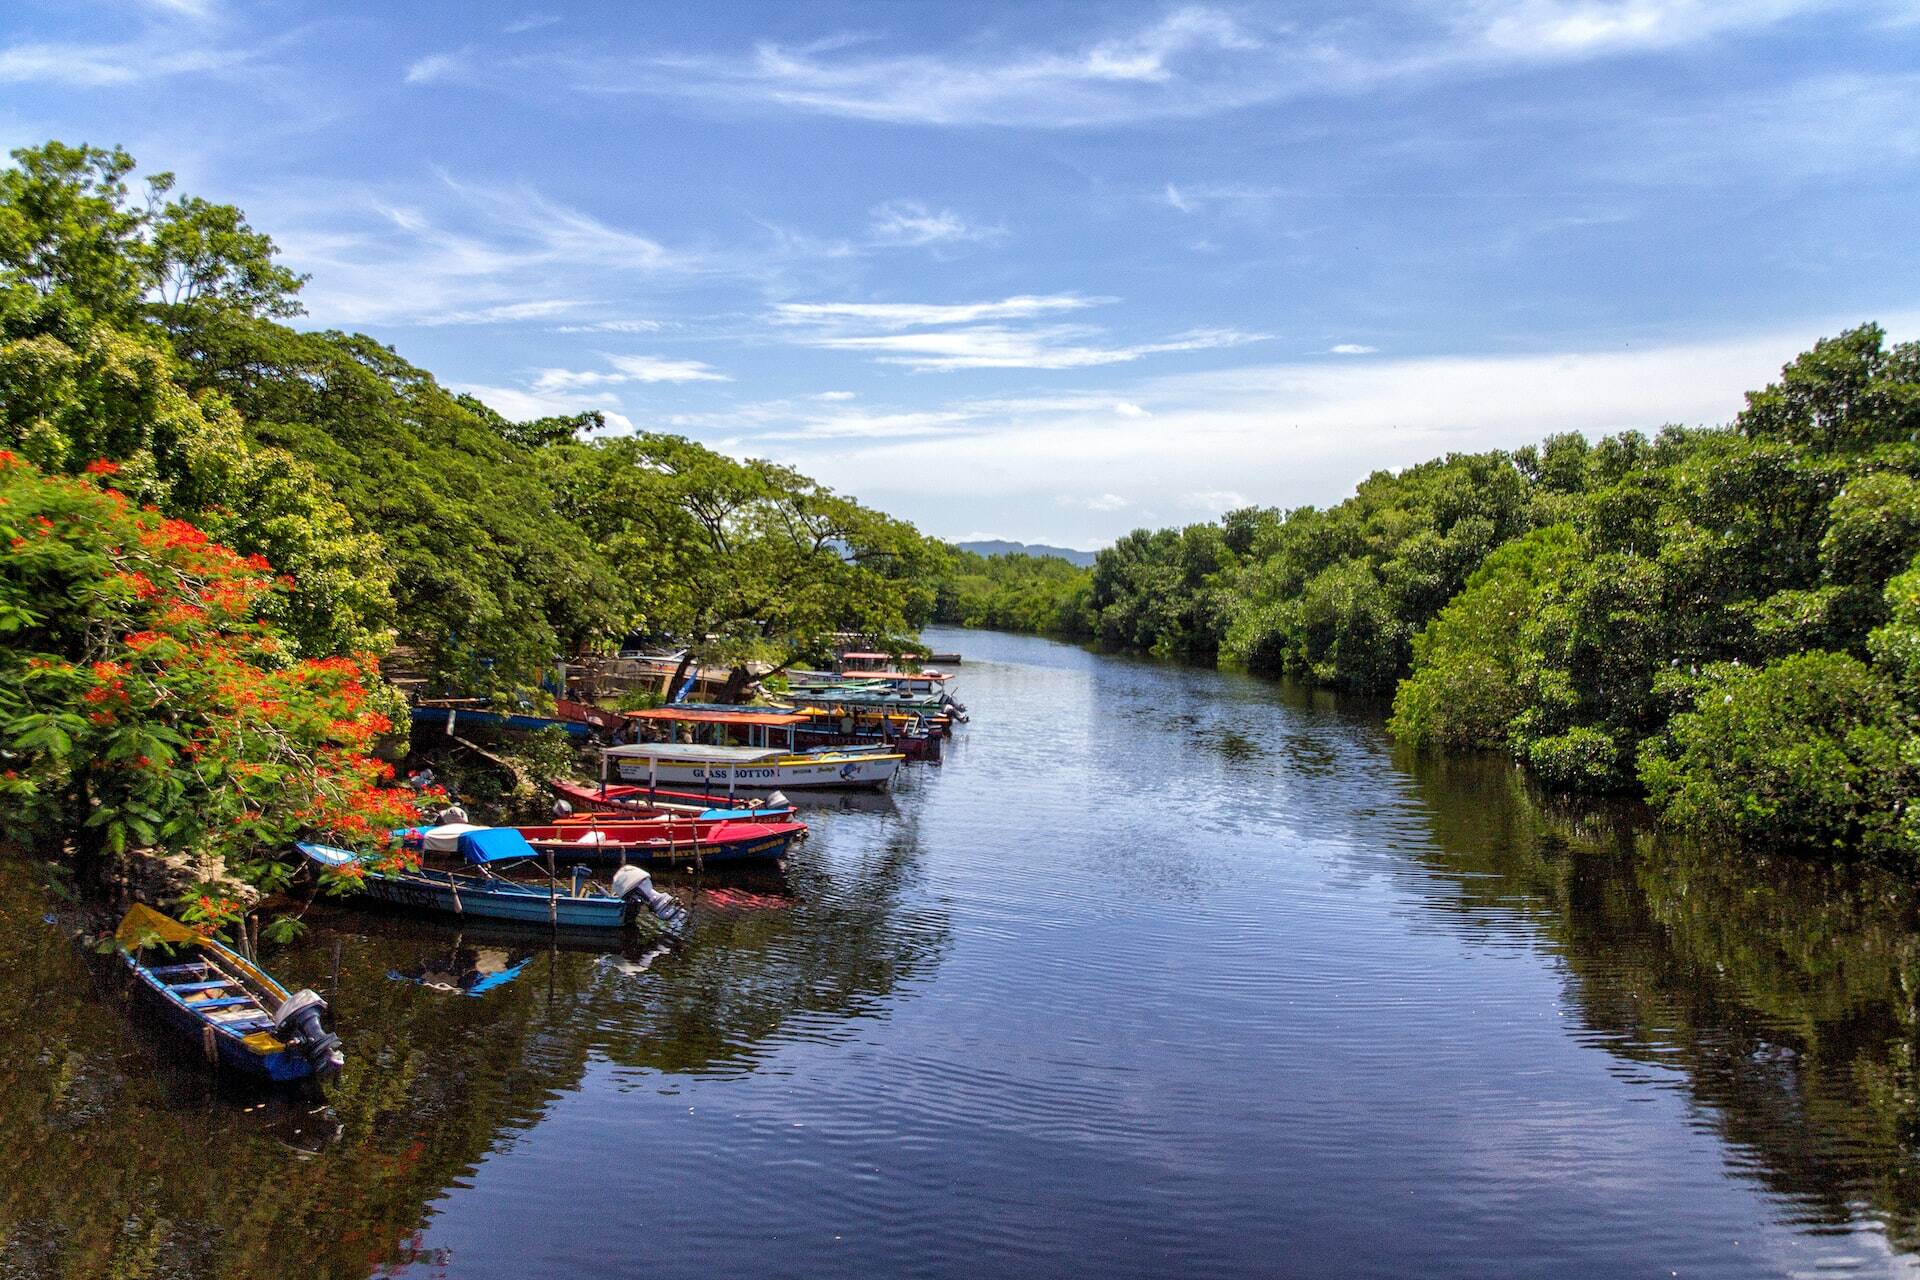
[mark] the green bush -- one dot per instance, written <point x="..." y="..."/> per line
<point x="1583" y="758"/>
<point x="1814" y="751"/>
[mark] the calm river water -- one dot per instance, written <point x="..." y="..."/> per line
<point x="1165" y="973"/>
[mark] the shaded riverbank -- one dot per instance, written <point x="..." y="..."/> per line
<point x="1166" y="971"/>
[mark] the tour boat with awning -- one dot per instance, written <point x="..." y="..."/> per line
<point x="754" y="750"/>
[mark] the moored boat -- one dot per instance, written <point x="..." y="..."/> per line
<point x="638" y="802"/>
<point x="658" y="841"/>
<point x="755" y="749"/>
<point x="575" y="903"/>
<point x="237" y="1014"/>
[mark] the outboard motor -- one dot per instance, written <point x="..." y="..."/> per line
<point x="778" y="800"/>
<point x="635" y="885"/>
<point x="298" y="1022"/>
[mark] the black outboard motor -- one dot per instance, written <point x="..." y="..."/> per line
<point x="298" y="1022"/>
<point x="636" y="886"/>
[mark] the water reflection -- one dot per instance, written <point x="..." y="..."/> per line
<point x="144" y="1167"/>
<point x="1778" y="995"/>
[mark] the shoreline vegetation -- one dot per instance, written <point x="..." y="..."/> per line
<point x="214" y="527"/>
<point x="1724" y="620"/>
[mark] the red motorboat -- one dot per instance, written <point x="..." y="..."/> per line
<point x="638" y="802"/>
<point x="664" y="839"/>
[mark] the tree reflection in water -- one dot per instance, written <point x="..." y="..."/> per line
<point x="1779" y="994"/>
<point x="130" y="1162"/>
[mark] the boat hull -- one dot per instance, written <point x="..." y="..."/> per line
<point x="667" y="851"/>
<point x="870" y="774"/>
<point x="229" y="1047"/>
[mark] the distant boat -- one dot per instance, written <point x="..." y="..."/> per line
<point x="483" y="895"/>
<point x="237" y="1014"/>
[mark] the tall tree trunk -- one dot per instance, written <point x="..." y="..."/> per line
<point x="736" y="686"/>
<point x="679" y="674"/>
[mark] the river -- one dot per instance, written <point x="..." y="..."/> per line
<point x="1165" y="972"/>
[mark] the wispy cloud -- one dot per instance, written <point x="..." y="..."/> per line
<point x="1000" y="347"/>
<point x="627" y="369"/>
<point x="436" y="67"/>
<point x="532" y="22"/>
<point x="98" y="66"/>
<point x="912" y="224"/>
<point x="1179" y="65"/>
<point x="904" y="315"/>
<point x="611" y="326"/>
<point x="1192" y="61"/>
<point x="476" y="258"/>
<point x="521" y="405"/>
<point x="1351" y="349"/>
<point x="1578" y="28"/>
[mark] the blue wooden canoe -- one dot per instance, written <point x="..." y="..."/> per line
<point x="487" y="897"/>
<point x="234" y="1013"/>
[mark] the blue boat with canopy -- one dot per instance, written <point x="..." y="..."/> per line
<point x="574" y="903"/>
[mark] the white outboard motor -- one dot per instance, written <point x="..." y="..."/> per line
<point x="778" y="800"/>
<point x="635" y="885"/>
<point x="298" y="1021"/>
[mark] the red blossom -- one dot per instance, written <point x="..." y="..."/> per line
<point x="101" y="467"/>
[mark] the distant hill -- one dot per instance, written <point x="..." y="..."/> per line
<point x="996" y="547"/>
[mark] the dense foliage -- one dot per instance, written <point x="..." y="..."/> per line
<point x="1728" y="618"/>
<point x="146" y="701"/>
<point x="1015" y="592"/>
<point x="167" y="689"/>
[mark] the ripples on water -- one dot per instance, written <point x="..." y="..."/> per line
<point x="1166" y="972"/>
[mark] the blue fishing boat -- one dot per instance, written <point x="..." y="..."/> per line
<point x="575" y="903"/>
<point x="240" y="1017"/>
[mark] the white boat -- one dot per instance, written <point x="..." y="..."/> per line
<point x="724" y="770"/>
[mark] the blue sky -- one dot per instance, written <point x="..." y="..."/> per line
<point x="1041" y="271"/>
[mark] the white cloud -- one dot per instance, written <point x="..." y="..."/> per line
<point x="99" y="66"/>
<point x="504" y="313"/>
<point x="436" y="67"/>
<point x="912" y="314"/>
<point x="1573" y="28"/>
<point x="1214" y="501"/>
<point x="1283" y="434"/>
<point x="658" y="369"/>
<point x="1127" y="409"/>
<point x="520" y="405"/>
<point x="912" y="224"/>
<point x="532" y="22"/>
<point x="833" y="395"/>
<point x="1351" y="349"/>
<point x="476" y="258"/>
<point x="1190" y="62"/>
<point x="1000" y="347"/>
<point x="1178" y="201"/>
<point x="1107" y="502"/>
<point x="611" y="326"/>
<point x="627" y="369"/>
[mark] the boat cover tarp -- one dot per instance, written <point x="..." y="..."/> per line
<point x="494" y="844"/>
<point x="143" y="926"/>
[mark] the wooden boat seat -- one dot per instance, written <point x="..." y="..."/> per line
<point x="169" y="970"/>
<point x="221" y="1002"/>
<point x="199" y="986"/>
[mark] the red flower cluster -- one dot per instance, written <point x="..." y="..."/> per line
<point x="101" y="467"/>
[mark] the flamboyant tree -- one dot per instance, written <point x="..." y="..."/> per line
<point x="145" y="701"/>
